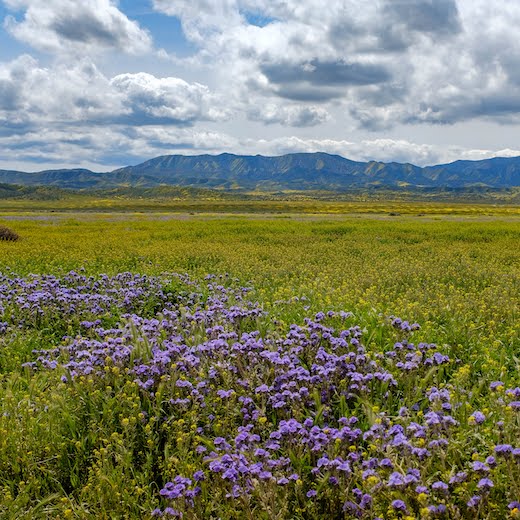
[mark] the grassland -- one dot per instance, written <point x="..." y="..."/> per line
<point x="292" y="204"/>
<point x="101" y="446"/>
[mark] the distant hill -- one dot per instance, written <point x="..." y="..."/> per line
<point x="299" y="171"/>
<point x="39" y="192"/>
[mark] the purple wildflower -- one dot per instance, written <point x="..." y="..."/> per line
<point x="503" y="449"/>
<point x="478" y="417"/>
<point x="474" y="501"/>
<point x="491" y="461"/>
<point x="396" y="480"/>
<point x="440" y="487"/>
<point x="485" y="484"/>
<point x="198" y="475"/>
<point x="480" y="467"/>
<point x="399" y="505"/>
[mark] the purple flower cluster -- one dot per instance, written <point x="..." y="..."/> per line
<point x="76" y="299"/>
<point x="309" y="411"/>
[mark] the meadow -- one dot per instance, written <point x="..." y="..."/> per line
<point x="333" y="361"/>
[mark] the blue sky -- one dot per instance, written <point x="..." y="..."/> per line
<point x="105" y="83"/>
<point x="166" y="30"/>
<point x="9" y="46"/>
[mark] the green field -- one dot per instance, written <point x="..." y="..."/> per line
<point x="77" y="449"/>
<point x="443" y="269"/>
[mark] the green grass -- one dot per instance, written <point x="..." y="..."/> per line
<point x="186" y="200"/>
<point x="460" y="275"/>
<point x="63" y="450"/>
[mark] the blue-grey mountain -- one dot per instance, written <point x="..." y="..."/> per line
<point x="299" y="171"/>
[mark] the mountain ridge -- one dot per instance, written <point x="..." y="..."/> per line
<point x="297" y="171"/>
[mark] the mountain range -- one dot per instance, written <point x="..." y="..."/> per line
<point x="298" y="171"/>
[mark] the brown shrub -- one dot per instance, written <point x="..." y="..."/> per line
<point x="8" y="234"/>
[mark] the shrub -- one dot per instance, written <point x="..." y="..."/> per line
<point x="8" y="234"/>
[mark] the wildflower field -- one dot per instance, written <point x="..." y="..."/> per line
<point x="260" y="367"/>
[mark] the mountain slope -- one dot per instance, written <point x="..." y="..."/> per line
<point x="300" y="171"/>
<point x="75" y="179"/>
<point x="496" y="172"/>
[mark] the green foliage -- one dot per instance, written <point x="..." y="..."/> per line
<point x="98" y="449"/>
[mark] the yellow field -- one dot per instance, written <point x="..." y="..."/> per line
<point x="457" y="276"/>
<point x="98" y="446"/>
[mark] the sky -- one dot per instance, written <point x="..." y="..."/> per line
<point x="104" y="83"/>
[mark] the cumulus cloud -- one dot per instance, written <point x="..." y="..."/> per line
<point x="34" y="95"/>
<point x="170" y="100"/>
<point x="381" y="63"/>
<point x="296" y="115"/>
<point x="202" y="17"/>
<point x="389" y="62"/>
<point x="102" y="149"/>
<point x="72" y="26"/>
<point x="59" y="94"/>
<point x="256" y="66"/>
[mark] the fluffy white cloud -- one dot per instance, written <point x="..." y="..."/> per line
<point x="202" y="18"/>
<point x="32" y="95"/>
<point x="171" y="100"/>
<point x="388" y="62"/>
<point x="370" y="64"/>
<point x="302" y="75"/>
<point x="59" y="94"/>
<point x="76" y="26"/>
